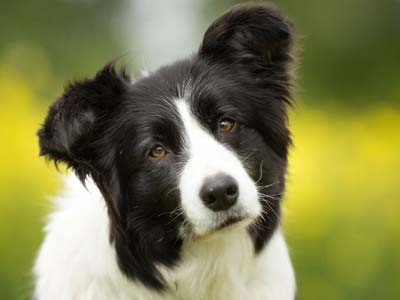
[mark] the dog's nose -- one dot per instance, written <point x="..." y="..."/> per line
<point x="219" y="192"/>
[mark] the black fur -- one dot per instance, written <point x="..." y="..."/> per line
<point x="105" y="126"/>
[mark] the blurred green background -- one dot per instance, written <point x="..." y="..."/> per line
<point x="342" y="210"/>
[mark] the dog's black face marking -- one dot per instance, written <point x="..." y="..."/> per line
<point x="107" y="126"/>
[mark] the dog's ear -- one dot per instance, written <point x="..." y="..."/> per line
<point x="73" y="120"/>
<point x="254" y="43"/>
<point x="253" y="36"/>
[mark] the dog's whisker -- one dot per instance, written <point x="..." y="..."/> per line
<point x="261" y="172"/>
<point x="244" y="160"/>
<point x="262" y="187"/>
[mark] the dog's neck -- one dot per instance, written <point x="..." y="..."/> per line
<point x="213" y="267"/>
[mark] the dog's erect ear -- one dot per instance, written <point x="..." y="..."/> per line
<point x="252" y="35"/>
<point x="72" y="121"/>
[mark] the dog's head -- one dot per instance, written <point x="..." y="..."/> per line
<point x="194" y="147"/>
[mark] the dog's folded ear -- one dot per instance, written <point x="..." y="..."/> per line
<point x="72" y="122"/>
<point x="251" y="35"/>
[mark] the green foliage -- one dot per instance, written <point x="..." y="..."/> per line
<point x="342" y="202"/>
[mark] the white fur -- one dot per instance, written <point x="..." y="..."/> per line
<point x="77" y="262"/>
<point x="208" y="157"/>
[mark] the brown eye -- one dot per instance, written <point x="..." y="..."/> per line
<point x="226" y="125"/>
<point x="158" y="152"/>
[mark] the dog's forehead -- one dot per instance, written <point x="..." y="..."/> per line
<point x="205" y="89"/>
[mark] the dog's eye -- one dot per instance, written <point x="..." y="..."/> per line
<point x="158" y="151"/>
<point x="226" y="125"/>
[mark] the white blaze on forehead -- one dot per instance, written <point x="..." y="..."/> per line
<point x="208" y="157"/>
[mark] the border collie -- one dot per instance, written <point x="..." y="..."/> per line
<point x="178" y="175"/>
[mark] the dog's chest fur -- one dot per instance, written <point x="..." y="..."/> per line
<point x="79" y="260"/>
<point x="217" y="267"/>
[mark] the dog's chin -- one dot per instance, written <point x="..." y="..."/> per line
<point x="232" y="223"/>
<point x="227" y="225"/>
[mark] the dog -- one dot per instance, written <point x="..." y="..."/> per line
<point x="178" y="175"/>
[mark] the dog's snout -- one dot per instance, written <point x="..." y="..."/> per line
<point x="219" y="192"/>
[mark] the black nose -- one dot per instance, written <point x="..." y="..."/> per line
<point x="219" y="192"/>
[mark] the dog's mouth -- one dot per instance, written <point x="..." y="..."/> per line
<point x="219" y="222"/>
